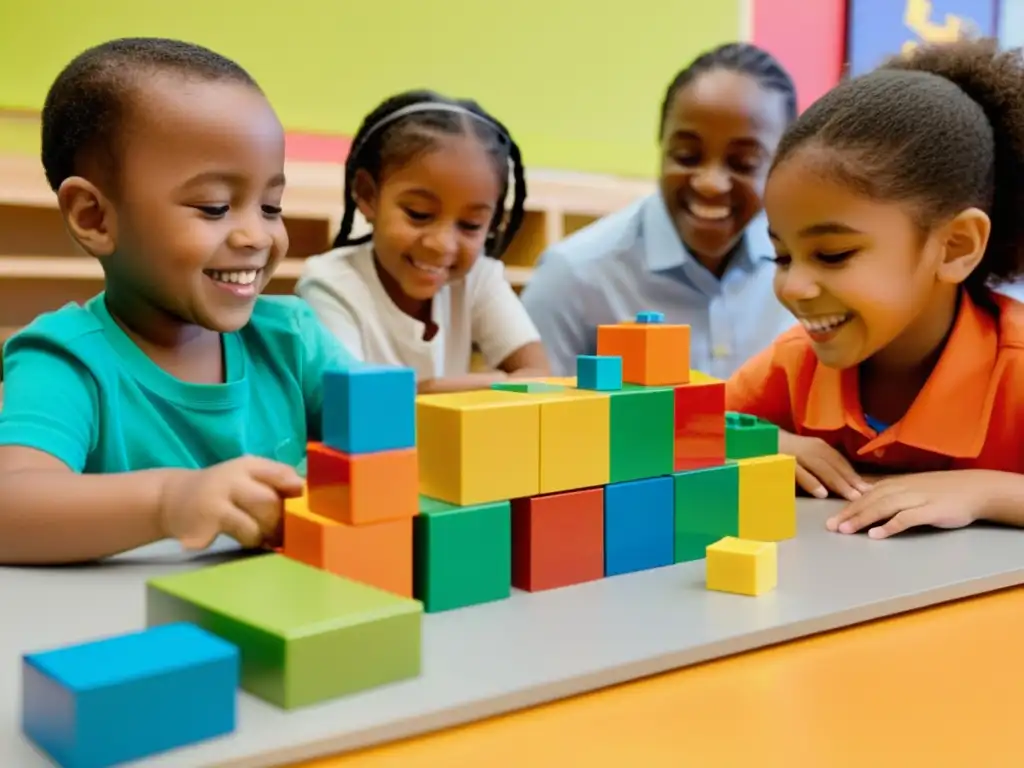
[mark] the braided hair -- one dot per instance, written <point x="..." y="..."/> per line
<point x="743" y="58"/>
<point x="941" y="129"/>
<point x="404" y="125"/>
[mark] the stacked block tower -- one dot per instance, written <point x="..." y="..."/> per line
<point x="434" y="503"/>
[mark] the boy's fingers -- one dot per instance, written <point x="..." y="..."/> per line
<point x="810" y="483"/>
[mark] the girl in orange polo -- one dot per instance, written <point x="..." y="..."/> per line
<point x="894" y="203"/>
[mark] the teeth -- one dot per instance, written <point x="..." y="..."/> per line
<point x="429" y="267"/>
<point x="824" y="323"/>
<point x="240" y="277"/>
<point x="713" y="212"/>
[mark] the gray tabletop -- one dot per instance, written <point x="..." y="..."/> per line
<point x="494" y="658"/>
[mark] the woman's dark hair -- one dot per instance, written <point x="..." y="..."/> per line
<point x="941" y="128"/>
<point x="744" y="58"/>
<point x="384" y="140"/>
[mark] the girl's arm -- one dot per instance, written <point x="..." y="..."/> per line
<point x="529" y="361"/>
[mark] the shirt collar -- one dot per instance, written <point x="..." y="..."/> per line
<point x="950" y="415"/>
<point x="664" y="250"/>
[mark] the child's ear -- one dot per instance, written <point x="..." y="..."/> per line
<point x="89" y="216"/>
<point x="364" y="190"/>
<point x="966" y="238"/>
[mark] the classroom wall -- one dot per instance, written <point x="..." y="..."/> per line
<point x="579" y="82"/>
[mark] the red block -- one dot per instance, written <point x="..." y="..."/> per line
<point x="700" y="425"/>
<point x="365" y="488"/>
<point x="558" y="539"/>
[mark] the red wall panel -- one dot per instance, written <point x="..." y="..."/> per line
<point x="808" y="37"/>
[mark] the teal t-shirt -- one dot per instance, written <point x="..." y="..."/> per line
<point x="77" y="387"/>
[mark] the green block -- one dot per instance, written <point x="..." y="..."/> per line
<point x="463" y="555"/>
<point x="748" y="436"/>
<point x="642" y="433"/>
<point x="707" y="503"/>
<point x="429" y="504"/>
<point x="305" y="635"/>
<point x="528" y="387"/>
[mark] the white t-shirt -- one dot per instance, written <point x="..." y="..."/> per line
<point x="345" y="291"/>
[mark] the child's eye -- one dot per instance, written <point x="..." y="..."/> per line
<point x="213" y="211"/>
<point x="272" y="210"/>
<point x="416" y="215"/>
<point x="834" y="258"/>
<point x="745" y="165"/>
<point x="782" y="260"/>
<point x="470" y="226"/>
<point x="686" y="159"/>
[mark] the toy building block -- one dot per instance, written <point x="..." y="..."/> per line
<point x="602" y="374"/>
<point x="653" y="354"/>
<point x="379" y="554"/>
<point x="463" y="554"/>
<point x="742" y="567"/>
<point x="305" y="635"/>
<point x="477" y="447"/>
<point x="699" y="377"/>
<point x="558" y="539"/>
<point x="527" y="386"/>
<point x="120" y="699"/>
<point x="699" y="425"/>
<point x="707" y="508"/>
<point x="767" y="498"/>
<point x="650" y="317"/>
<point x="639" y="523"/>
<point x="369" y="408"/>
<point x="575" y="440"/>
<point x="642" y="441"/>
<point x="362" y="488"/>
<point x="748" y="436"/>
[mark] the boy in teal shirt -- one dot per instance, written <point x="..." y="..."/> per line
<point x="178" y="402"/>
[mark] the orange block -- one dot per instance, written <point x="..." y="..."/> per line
<point x="380" y="554"/>
<point x="653" y="354"/>
<point x="357" y="489"/>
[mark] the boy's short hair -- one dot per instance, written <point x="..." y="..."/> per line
<point x="88" y="103"/>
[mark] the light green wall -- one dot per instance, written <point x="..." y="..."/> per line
<point x="578" y="82"/>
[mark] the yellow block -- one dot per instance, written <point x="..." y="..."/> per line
<point x="767" y="498"/>
<point x="696" y="377"/>
<point x="479" y="446"/>
<point x="742" y="567"/>
<point x="575" y="439"/>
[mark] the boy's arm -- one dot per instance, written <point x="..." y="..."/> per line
<point x="50" y="512"/>
<point x="54" y="515"/>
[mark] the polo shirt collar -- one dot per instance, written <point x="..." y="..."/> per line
<point x="664" y="250"/>
<point x="950" y="415"/>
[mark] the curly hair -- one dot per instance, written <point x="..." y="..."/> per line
<point x="941" y="129"/>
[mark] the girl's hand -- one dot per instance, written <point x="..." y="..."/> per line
<point x="942" y="499"/>
<point x="820" y="468"/>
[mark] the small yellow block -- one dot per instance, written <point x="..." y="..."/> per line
<point x="767" y="498"/>
<point x="742" y="567"/>
<point x="696" y="377"/>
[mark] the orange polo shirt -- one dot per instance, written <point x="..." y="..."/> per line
<point x="969" y="414"/>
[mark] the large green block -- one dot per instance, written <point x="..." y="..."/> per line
<point x="707" y="503"/>
<point x="527" y="387"/>
<point x="463" y="555"/>
<point x="747" y="437"/>
<point x="305" y="635"/>
<point x="642" y="432"/>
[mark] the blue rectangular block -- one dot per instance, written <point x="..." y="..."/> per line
<point x="639" y="525"/>
<point x="369" y="409"/>
<point x="123" y="698"/>
<point x="602" y="373"/>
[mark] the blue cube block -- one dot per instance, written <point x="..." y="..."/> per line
<point x="123" y="698"/>
<point x="650" y="317"/>
<point x="602" y="373"/>
<point x="369" y="409"/>
<point x="639" y="525"/>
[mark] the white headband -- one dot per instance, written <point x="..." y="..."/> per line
<point x="424" y="106"/>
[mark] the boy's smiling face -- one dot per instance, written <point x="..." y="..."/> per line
<point x="197" y="228"/>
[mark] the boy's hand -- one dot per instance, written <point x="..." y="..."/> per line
<point x="820" y="468"/>
<point x="242" y="498"/>
<point x="941" y="499"/>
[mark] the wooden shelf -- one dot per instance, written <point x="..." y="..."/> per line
<point x="41" y="269"/>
